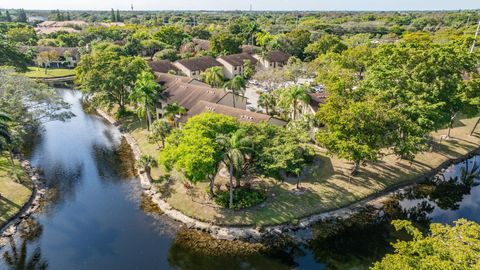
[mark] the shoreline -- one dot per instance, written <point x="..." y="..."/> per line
<point x="251" y="233"/>
<point x="10" y="227"/>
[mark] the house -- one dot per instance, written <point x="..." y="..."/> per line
<point x="189" y="94"/>
<point x="202" y="44"/>
<point x="273" y="59"/>
<point x="163" y="66"/>
<point x="67" y="56"/>
<point x="234" y="64"/>
<point x="193" y="67"/>
<point x="168" y="80"/>
<point x="241" y="114"/>
<point x="49" y="27"/>
<point x="250" y="49"/>
<point x="316" y="100"/>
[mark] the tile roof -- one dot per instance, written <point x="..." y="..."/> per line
<point x="317" y="99"/>
<point x="60" y="50"/>
<point x="277" y="56"/>
<point x="163" y="66"/>
<point x="237" y="60"/>
<point x="188" y="95"/>
<point x="240" y="114"/>
<point x="199" y="63"/>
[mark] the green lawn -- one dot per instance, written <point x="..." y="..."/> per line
<point x="35" y="72"/>
<point x="13" y="195"/>
<point x="327" y="184"/>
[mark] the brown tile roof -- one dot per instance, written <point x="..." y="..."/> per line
<point x="250" y="49"/>
<point x="199" y="63"/>
<point x="168" y="80"/>
<point x="163" y="66"/>
<point x="277" y="56"/>
<point x="187" y="94"/>
<point x="317" y="99"/>
<point x="240" y="114"/>
<point x="202" y="43"/>
<point x="237" y="60"/>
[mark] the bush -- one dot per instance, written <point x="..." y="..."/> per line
<point x="242" y="198"/>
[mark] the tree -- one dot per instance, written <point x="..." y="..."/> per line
<point x="22" y="35"/>
<point x="193" y="149"/>
<point x="237" y="85"/>
<point x="7" y="16"/>
<point x="248" y="69"/>
<point x="445" y="247"/>
<point x="112" y="16"/>
<point x="146" y="163"/>
<point x="160" y="131"/>
<point x="21" y="16"/>
<point x="224" y="43"/>
<point x="234" y="149"/>
<point x="213" y="76"/>
<point x="354" y="130"/>
<point x="325" y="44"/>
<point x="107" y="77"/>
<point x="44" y="58"/>
<point x="119" y="19"/>
<point x="268" y="102"/>
<point x="6" y="141"/>
<point x="10" y="56"/>
<point x="291" y="98"/>
<point x="145" y="94"/>
<point x="173" y="112"/>
<point x="295" y="42"/>
<point x="166" y="54"/>
<point x="171" y="35"/>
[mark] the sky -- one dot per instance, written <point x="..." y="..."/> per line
<point x="243" y="4"/>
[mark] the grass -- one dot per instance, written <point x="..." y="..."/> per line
<point x="36" y="72"/>
<point x="327" y="184"/>
<point x="13" y="195"/>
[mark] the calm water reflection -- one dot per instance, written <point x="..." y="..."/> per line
<point x="94" y="218"/>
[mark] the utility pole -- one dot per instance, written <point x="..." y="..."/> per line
<point x="475" y="38"/>
<point x="131" y="7"/>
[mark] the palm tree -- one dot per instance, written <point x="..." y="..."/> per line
<point x="145" y="93"/>
<point x="146" y="163"/>
<point x="6" y="141"/>
<point x="292" y="97"/>
<point x="160" y="130"/>
<point x="213" y="76"/>
<point x="172" y="111"/>
<point x="268" y="102"/>
<point x="234" y="149"/>
<point x="237" y="85"/>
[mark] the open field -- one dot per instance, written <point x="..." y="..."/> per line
<point x="35" y="72"/>
<point x="327" y="184"/>
<point x="13" y="195"/>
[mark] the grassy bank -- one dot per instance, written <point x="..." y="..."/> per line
<point x="327" y="184"/>
<point x="35" y="72"/>
<point x="13" y="195"/>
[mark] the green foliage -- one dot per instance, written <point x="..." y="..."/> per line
<point x="145" y="94"/>
<point x="22" y="35"/>
<point x="213" y="76"/>
<point x="248" y="69"/>
<point x="10" y="56"/>
<point x="445" y="247"/>
<point x="146" y="161"/>
<point x="325" y="44"/>
<point x="166" y="54"/>
<point x="106" y="76"/>
<point x="160" y="129"/>
<point x="171" y="35"/>
<point x="293" y="98"/>
<point x="242" y="198"/>
<point x="224" y="43"/>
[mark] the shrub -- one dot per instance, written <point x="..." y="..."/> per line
<point x="242" y="198"/>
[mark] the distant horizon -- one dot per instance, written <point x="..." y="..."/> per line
<point x="233" y="5"/>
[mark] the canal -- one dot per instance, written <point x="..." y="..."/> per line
<point x="95" y="217"/>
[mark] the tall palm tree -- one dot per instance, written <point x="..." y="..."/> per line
<point x="145" y="94"/>
<point x="6" y="141"/>
<point x="268" y="102"/>
<point x="237" y="85"/>
<point x="213" y="76"/>
<point x="235" y="148"/>
<point x="146" y="163"/>
<point x="293" y="96"/>
<point x="172" y="111"/>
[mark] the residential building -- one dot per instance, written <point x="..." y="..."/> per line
<point x="241" y="114"/>
<point x="67" y="56"/>
<point x="273" y="59"/>
<point x="163" y="66"/>
<point x="193" y="67"/>
<point x="234" y="64"/>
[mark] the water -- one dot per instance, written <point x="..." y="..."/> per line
<point x="94" y="217"/>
